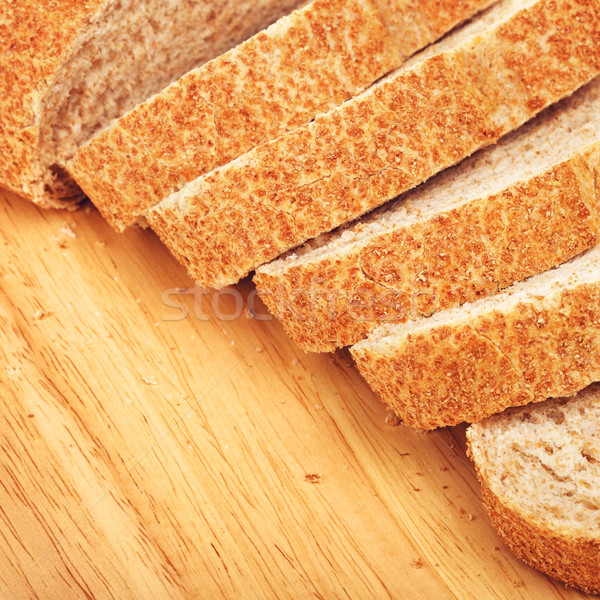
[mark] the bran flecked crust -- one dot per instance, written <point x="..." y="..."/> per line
<point x="379" y="145"/>
<point x="448" y="259"/>
<point x="572" y="560"/>
<point x="56" y="52"/>
<point x="506" y="354"/>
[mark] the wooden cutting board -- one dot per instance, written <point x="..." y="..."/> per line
<point x="146" y="453"/>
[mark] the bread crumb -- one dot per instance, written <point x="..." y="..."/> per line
<point x="294" y="362"/>
<point x="128" y="400"/>
<point x="392" y="419"/>
<point x="13" y="372"/>
<point x="417" y="564"/>
<point x="67" y="229"/>
<point x="281" y="400"/>
<point x="39" y="315"/>
<point x="318" y="407"/>
<point x="470" y="517"/>
<point x="150" y="380"/>
<point x="30" y="416"/>
<point x="232" y="342"/>
<point x="60" y="242"/>
<point x="313" y="478"/>
<point x="259" y="349"/>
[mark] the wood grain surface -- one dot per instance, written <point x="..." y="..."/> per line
<point x="147" y="455"/>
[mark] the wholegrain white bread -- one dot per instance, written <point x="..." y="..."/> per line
<point x="509" y="212"/>
<point x="539" y="468"/>
<point x="68" y="68"/>
<point x="282" y="78"/>
<point x="537" y="339"/>
<point x="457" y="97"/>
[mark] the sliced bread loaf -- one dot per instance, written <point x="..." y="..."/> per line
<point x="69" y="68"/>
<point x="539" y="468"/>
<point x="458" y="96"/>
<point x="282" y="78"/>
<point x="507" y="213"/>
<point x="535" y="340"/>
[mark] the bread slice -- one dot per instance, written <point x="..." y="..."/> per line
<point x="509" y="212"/>
<point x="539" y="468"/>
<point x="458" y="96"/>
<point x="282" y="78"/>
<point x="537" y="339"/>
<point x="68" y="68"/>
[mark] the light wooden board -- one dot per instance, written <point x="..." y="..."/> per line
<point x="112" y="486"/>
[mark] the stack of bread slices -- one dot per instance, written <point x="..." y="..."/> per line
<point x="433" y="204"/>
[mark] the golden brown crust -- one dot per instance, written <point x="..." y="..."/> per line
<point x="413" y="25"/>
<point x="379" y="145"/>
<point x="443" y="15"/>
<point x="448" y="373"/>
<point x="575" y="561"/>
<point x="454" y="257"/>
<point x="36" y="38"/>
<point x="281" y="78"/>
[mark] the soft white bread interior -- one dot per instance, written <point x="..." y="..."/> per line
<point x="540" y="470"/>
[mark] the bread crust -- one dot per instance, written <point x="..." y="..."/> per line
<point x="281" y="78"/>
<point x="444" y="374"/>
<point x="379" y="145"/>
<point x="37" y="38"/>
<point x="451" y="258"/>
<point x="573" y="560"/>
<point x="544" y="533"/>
